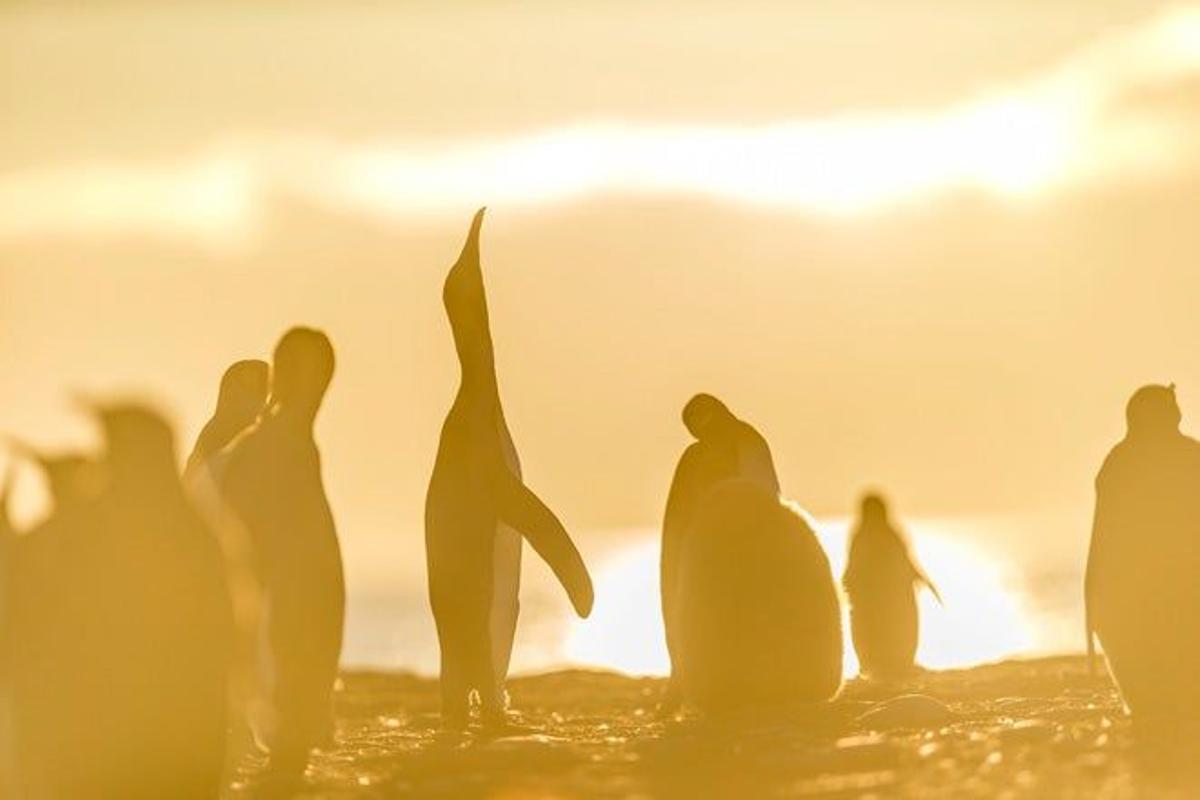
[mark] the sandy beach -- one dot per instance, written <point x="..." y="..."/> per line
<point x="1036" y="728"/>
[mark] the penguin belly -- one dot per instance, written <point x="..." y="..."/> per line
<point x="1141" y="618"/>
<point x="760" y="620"/>
<point x="506" y="584"/>
<point x="461" y="540"/>
<point x="884" y="630"/>
<point x="459" y="543"/>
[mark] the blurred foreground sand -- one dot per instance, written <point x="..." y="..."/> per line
<point x="1039" y="728"/>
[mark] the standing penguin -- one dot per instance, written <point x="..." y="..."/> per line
<point x="240" y="400"/>
<point x="52" y="588"/>
<point x="759" y="621"/>
<point x="1141" y="590"/>
<point x="8" y="546"/>
<point x="476" y="510"/>
<point x="272" y="482"/>
<point x="880" y="580"/>
<point x="48" y="590"/>
<point x="726" y="447"/>
<point x="8" y="542"/>
<point x="168" y="623"/>
<point x="124" y="630"/>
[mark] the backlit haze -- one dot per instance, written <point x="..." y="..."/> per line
<point x="930" y="250"/>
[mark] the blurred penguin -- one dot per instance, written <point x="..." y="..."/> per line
<point x="165" y="624"/>
<point x="27" y="562"/>
<point x="241" y="399"/>
<point x="272" y="481"/>
<point x="1141" y="589"/>
<point x="881" y="579"/>
<point x="760" y="624"/>
<point x="8" y="542"/>
<point x="121" y="689"/>
<point x="45" y="596"/>
<point x="73" y="479"/>
<point x="725" y="448"/>
<point x="8" y="546"/>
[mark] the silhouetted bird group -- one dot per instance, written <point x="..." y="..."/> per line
<point x="131" y="610"/>
<point x="118" y="632"/>
<point x="150" y="615"/>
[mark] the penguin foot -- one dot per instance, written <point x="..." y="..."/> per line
<point x="282" y="778"/>
<point x="503" y="723"/>
<point x="670" y="704"/>
<point x="286" y="765"/>
<point x="454" y="722"/>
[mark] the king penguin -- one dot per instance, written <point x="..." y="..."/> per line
<point x="241" y="403"/>
<point x="760" y="629"/>
<point x="477" y="509"/>
<point x="124" y="626"/>
<point x="241" y="399"/>
<point x="880" y="581"/>
<point x="726" y="447"/>
<point x="1141" y="590"/>
<point x="273" y="481"/>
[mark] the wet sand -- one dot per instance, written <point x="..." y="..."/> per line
<point x="1038" y="728"/>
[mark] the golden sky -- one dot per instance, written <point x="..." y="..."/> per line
<point x="922" y="246"/>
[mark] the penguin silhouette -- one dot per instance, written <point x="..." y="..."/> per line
<point x="272" y="482"/>
<point x="880" y="581"/>
<point x="8" y="544"/>
<point x="726" y="447"/>
<point x="171" y="657"/>
<point x="1140" y="587"/>
<point x="47" y="595"/>
<point x="72" y="478"/>
<point x="241" y="398"/>
<point x="28" y="568"/>
<point x="759" y="619"/>
<point x="476" y="510"/>
<point x="39" y="600"/>
<point x="120" y="680"/>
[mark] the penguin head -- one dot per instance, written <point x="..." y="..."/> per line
<point x="303" y="365"/>
<point x="243" y="392"/>
<point x="139" y="444"/>
<point x="873" y="508"/>
<point x="70" y="476"/>
<point x="704" y="415"/>
<point x="1153" y="410"/>
<point x="463" y="293"/>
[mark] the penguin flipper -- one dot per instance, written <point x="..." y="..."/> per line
<point x="7" y="529"/>
<point x="523" y="511"/>
<point x="1091" y="644"/>
<point x="1089" y="630"/>
<point x="933" y="589"/>
<point x="920" y="576"/>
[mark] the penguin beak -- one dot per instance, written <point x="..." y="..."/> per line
<point x="88" y="404"/>
<point x="24" y="450"/>
<point x="470" y="251"/>
<point x="20" y="448"/>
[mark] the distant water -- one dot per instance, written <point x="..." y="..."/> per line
<point x="1012" y="587"/>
